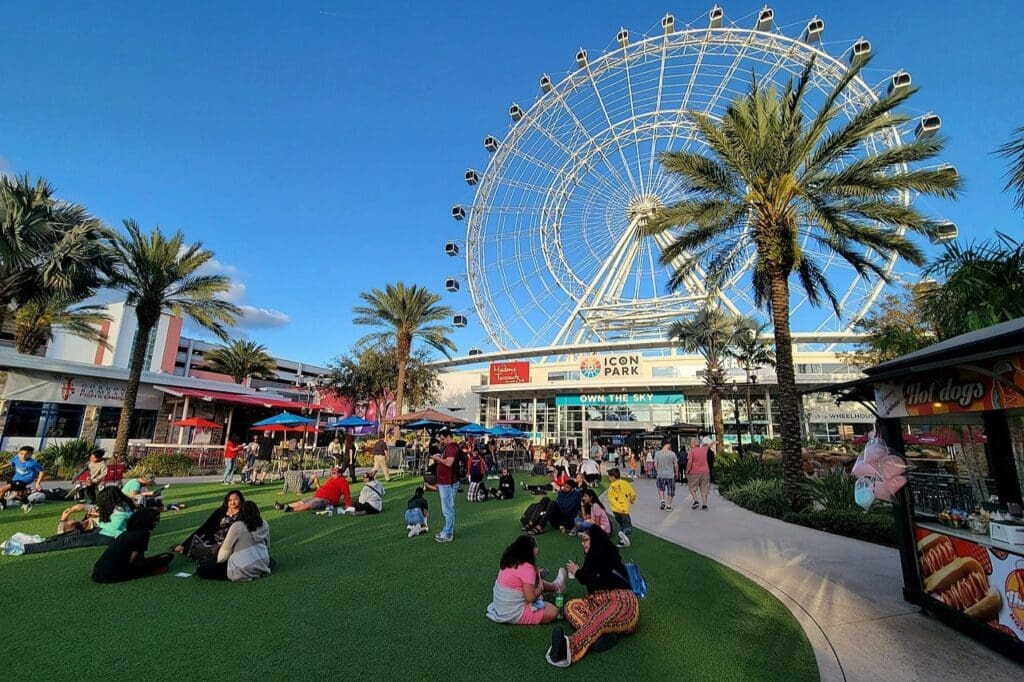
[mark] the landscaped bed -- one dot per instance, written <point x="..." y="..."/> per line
<point x="355" y="598"/>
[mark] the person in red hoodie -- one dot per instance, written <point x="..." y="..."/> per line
<point x="330" y="493"/>
<point x="231" y="452"/>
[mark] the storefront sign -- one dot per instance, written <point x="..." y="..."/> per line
<point x="620" y="399"/>
<point x="607" y="366"/>
<point x="75" y="390"/>
<point x="844" y="417"/>
<point x="509" y="373"/>
<point x="997" y="386"/>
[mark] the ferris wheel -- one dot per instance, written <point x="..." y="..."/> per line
<point x="551" y="253"/>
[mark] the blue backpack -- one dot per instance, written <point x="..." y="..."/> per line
<point x="636" y="581"/>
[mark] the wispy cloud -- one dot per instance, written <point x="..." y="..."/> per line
<point x="252" y="317"/>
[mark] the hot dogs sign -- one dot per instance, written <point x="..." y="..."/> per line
<point x="984" y="583"/>
<point x="997" y="386"/>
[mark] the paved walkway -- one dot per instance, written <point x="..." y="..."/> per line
<point x="846" y="594"/>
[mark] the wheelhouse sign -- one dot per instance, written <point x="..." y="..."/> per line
<point x="602" y="366"/>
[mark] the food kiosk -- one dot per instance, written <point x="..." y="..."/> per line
<point x="955" y="411"/>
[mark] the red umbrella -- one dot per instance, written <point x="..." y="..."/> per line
<point x="860" y="439"/>
<point x="198" y="422"/>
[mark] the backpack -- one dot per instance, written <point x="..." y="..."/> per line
<point x="636" y="581"/>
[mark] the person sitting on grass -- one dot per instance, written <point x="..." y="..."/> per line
<point x="245" y="552"/>
<point x="591" y="470"/>
<point x="592" y="513"/>
<point x="99" y="526"/>
<point x="610" y="608"/>
<point x="518" y="596"/>
<point x="416" y="512"/>
<point x="138" y="490"/>
<point x="506" y="489"/>
<point x="334" y="489"/>
<point x="125" y="558"/>
<point x="476" y="468"/>
<point x="371" y="497"/>
<point x="27" y="473"/>
<point x="203" y="544"/>
<point x="557" y="479"/>
<point x="562" y="514"/>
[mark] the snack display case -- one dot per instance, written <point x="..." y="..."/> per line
<point x="955" y="412"/>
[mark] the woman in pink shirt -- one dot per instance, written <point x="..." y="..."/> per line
<point x="519" y="591"/>
<point x="698" y="474"/>
<point x="592" y="513"/>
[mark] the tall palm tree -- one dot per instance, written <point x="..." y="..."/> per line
<point x="35" y="320"/>
<point x="242" y="360"/>
<point x="1014" y="151"/>
<point x="712" y="334"/>
<point x="47" y="244"/>
<point x="780" y="187"/>
<point x="981" y="284"/>
<point x="403" y="314"/>
<point x="159" y="273"/>
<point x="751" y="353"/>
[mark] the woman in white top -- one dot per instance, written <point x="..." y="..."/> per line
<point x="245" y="552"/>
<point x="371" y="497"/>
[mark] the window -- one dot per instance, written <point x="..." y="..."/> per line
<point x="564" y="376"/>
<point x="44" y="420"/>
<point x="62" y="421"/>
<point x="143" y="423"/>
<point x="666" y="371"/>
<point x="23" y="419"/>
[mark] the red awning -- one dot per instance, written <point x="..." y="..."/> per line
<point x="255" y="400"/>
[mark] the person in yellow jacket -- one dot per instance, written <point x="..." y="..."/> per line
<point x="620" y="496"/>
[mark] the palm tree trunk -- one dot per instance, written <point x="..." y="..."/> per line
<point x="403" y="361"/>
<point x="718" y="418"/>
<point x="131" y="391"/>
<point x="788" y="400"/>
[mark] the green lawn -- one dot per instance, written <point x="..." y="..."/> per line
<point x="354" y="598"/>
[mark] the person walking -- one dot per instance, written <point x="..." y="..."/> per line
<point x="231" y="451"/>
<point x="380" y="458"/>
<point x="620" y="496"/>
<point x="446" y="482"/>
<point x="666" y="469"/>
<point x="251" y="449"/>
<point x="698" y="473"/>
<point x="264" y="454"/>
<point x="349" y="457"/>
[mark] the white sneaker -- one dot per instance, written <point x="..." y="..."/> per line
<point x="559" y="580"/>
<point x="413" y="531"/>
<point x="623" y="539"/>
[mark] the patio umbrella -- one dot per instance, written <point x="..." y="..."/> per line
<point x="198" y="423"/>
<point x="472" y="429"/>
<point x="283" y="419"/>
<point x="507" y="432"/>
<point x="284" y="428"/>
<point x="424" y="424"/>
<point x="352" y="422"/>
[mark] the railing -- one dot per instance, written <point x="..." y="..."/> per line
<point x="212" y="456"/>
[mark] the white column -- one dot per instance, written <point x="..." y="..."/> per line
<point x="768" y="413"/>
<point x="181" y="429"/>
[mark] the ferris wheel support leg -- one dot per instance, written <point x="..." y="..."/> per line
<point x="608" y="269"/>
<point x="692" y="281"/>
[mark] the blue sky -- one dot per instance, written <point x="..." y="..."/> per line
<point x="317" y="147"/>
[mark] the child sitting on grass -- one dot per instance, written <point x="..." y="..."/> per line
<point x="416" y="511"/>
<point x="518" y="596"/>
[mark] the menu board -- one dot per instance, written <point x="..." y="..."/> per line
<point x="983" y="582"/>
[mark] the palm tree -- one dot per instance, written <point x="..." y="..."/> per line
<point x="47" y="244"/>
<point x="402" y="315"/>
<point x="1014" y="151"/>
<point x="981" y="284"/>
<point x="242" y="360"/>
<point x="34" y="322"/>
<point x="751" y="353"/>
<point x="781" y="188"/>
<point x="160" y="273"/>
<point x="712" y="334"/>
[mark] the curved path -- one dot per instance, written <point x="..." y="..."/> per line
<point x="846" y="594"/>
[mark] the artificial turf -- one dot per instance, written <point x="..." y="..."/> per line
<point x="353" y="597"/>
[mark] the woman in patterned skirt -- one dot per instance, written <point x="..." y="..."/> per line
<point x="610" y="608"/>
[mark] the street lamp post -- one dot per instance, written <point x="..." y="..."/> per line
<point x="736" y="416"/>
<point x="751" y="381"/>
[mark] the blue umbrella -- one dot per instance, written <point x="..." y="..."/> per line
<point x="472" y="429"/>
<point x="284" y="419"/>
<point x="352" y="422"/>
<point x="507" y="432"/>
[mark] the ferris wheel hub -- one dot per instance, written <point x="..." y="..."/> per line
<point x="641" y="207"/>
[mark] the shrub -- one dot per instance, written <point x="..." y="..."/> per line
<point x="167" y="464"/>
<point x="772" y="444"/>
<point x="761" y="496"/>
<point x="740" y="471"/>
<point x="66" y="459"/>
<point x="753" y="448"/>
<point x="833" y="491"/>
<point x="877" y="527"/>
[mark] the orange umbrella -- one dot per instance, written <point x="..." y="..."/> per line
<point x="198" y="422"/>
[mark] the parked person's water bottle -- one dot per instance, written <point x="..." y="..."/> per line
<point x="330" y="510"/>
<point x="559" y="601"/>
